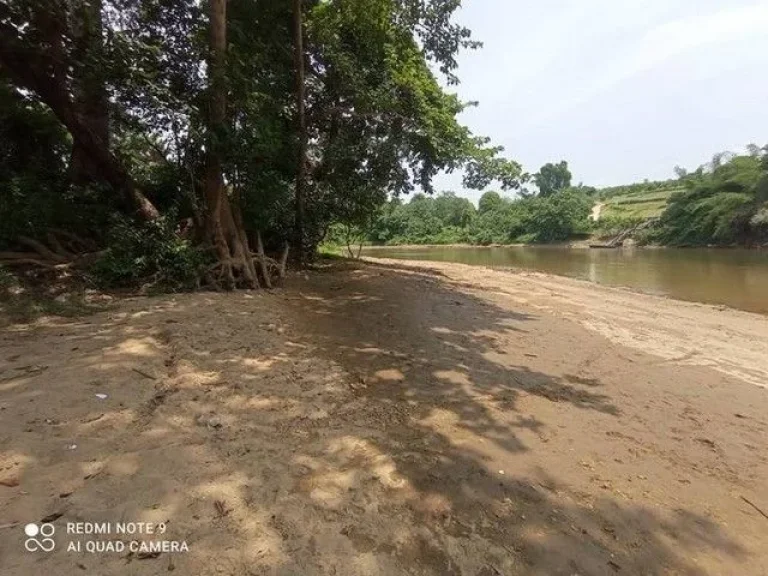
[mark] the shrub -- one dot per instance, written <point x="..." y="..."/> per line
<point x="150" y="253"/>
<point x="613" y="225"/>
<point x="558" y="217"/>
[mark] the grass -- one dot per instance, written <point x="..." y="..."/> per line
<point x="637" y="205"/>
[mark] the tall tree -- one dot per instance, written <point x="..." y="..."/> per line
<point x="210" y="115"/>
<point x="224" y="221"/>
<point x="89" y="85"/>
<point x="36" y="51"/>
<point x="301" y="129"/>
<point x="553" y="178"/>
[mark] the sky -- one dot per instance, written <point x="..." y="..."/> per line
<point x="622" y="89"/>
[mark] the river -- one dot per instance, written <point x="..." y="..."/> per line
<point x="731" y="277"/>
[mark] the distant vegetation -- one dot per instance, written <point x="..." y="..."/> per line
<point x="724" y="202"/>
<point x="629" y="209"/>
<point x="641" y="205"/>
<point x="639" y="188"/>
<point x="555" y="212"/>
<point x="448" y="219"/>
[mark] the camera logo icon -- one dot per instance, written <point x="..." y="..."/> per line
<point x="39" y="538"/>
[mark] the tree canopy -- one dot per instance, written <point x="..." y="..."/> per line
<point x="725" y="202"/>
<point x="248" y="119"/>
<point x="449" y="219"/>
<point x="552" y="178"/>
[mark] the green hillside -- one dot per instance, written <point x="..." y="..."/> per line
<point x="642" y="204"/>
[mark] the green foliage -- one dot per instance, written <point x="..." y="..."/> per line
<point x="498" y="224"/>
<point x="553" y="178"/>
<point x="424" y="220"/>
<point x="448" y="219"/>
<point x="489" y="202"/>
<point x="611" y="225"/>
<point x="378" y="119"/>
<point x="557" y="217"/>
<point x="150" y="253"/>
<point x="641" y="189"/>
<point x="722" y="205"/>
<point x="537" y="219"/>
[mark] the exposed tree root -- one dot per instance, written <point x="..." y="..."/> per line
<point x="243" y="269"/>
<point x="54" y="256"/>
<point x="261" y="257"/>
<point x="284" y="261"/>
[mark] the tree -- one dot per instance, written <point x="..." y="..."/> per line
<point x="557" y="217"/>
<point x="489" y="201"/>
<point x="453" y="211"/>
<point x="301" y="129"/>
<point x="552" y="178"/>
<point x="724" y="204"/>
<point x="224" y="222"/>
<point x="89" y="84"/>
<point x="37" y="52"/>
<point x="268" y="120"/>
<point x="680" y="172"/>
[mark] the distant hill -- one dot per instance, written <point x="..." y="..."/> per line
<point x="639" y="188"/>
<point x="649" y="204"/>
<point x="633" y="202"/>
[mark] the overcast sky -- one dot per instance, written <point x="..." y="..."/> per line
<point x="623" y="90"/>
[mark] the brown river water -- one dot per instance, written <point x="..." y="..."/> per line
<point x="732" y="277"/>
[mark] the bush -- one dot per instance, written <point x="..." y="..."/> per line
<point x="613" y="225"/>
<point x="704" y="216"/>
<point x="558" y="217"/>
<point x="721" y="206"/>
<point x="150" y="253"/>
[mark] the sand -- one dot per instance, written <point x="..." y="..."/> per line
<point x="388" y="418"/>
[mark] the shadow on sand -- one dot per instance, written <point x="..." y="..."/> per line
<point x="355" y="423"/>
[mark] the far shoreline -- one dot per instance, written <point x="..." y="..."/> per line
<point x="561" y="279"/>
<point x="579" y="245"/>
<point x="747" y="302"/>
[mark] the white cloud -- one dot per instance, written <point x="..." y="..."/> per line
<point x="679" y="36"/>
<point x="654" y="48"/>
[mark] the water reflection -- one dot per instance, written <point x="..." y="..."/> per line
<point x="736" y="278"/>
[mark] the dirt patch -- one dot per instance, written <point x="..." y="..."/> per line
<point x="386" y="420"/>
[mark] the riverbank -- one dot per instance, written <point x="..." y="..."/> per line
<point x="734" y="278"/>
<point x="391" y="418"/>
<point x="581" y="243"/>
<point x="732" y="341"/>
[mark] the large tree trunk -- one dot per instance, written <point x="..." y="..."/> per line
<point x="223" y="225"/>
<point x="301" y="127"/>
<point x="90" y="93"/>
<point x="45" y="74"/>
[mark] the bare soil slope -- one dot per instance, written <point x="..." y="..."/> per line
<point x="385" y="419"/>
